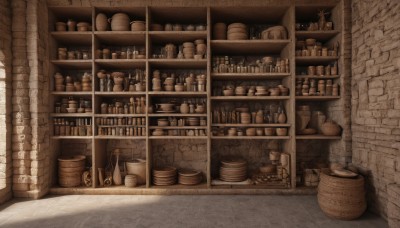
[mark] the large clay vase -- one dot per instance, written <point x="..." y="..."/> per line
<point x="102" y="22"/>
<point x="330" y="128"/>
<point x="117" y="173"/>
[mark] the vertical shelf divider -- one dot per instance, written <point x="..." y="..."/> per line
<point x="209" y="89"/>
<point x="149" y="158"/>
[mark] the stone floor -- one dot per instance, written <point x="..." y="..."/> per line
<point x="174" y="211"/>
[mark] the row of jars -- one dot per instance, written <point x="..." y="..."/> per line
<point x="118" y="81"/>
<point x="134" y="106"/>
<point x="72" y="105"/>
<point x="122" y="53"/>
<point x="178" y="27"/>
<point x="71" y="26"/>
<point x="71" y="84"/>
<point x="321" y="70"/>
<point x="72" y="126"/>
<point x="310" y="47"/>
<point x="312" y="87"/>
<point x="189" y="106"/>
<point x="179" y="132"/>
<point x="121" y="121"/>
<point x="268" y="64"/>
<point x="121" y="131"/>
<point x="260" y="90"/>
<point x="188" y="50"/>
<point x="65" y="54"/>
<point x="271" y="114"/>
<point x="172" y="82"/>
<point x="250" y="131"/>
<point x="173" y="121"/>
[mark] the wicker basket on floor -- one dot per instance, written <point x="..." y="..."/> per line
<point x="341" y="198"/>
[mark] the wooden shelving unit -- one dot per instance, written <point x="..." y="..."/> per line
<point x="99" y="145"/>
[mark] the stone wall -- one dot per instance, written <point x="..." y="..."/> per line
<point x="376" y="98"/>
<point x="5" y="101"/>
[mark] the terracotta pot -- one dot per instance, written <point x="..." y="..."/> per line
<point x="330" y="128"/>
<point x="61" y="26"/>
<point x="101" y="22"/>
<point x="281" y="131"/>
<point x="138" y="26"/>
<point x="120" y="22"/>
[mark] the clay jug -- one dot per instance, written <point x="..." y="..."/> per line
<point x="184" y="108"/>
<point x="282" y="118"/>
<point x="101" y="22"/>
<point x="330" y="128"/>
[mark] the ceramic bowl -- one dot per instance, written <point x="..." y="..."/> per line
<point x="269" y="131"/>
<point x="228" y="92"/>
<point x="71" y="110"/>
<point x="281" y="131"/>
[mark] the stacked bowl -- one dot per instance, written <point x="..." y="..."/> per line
<point x="233" y="170"/>
<point x="188" y="50"/>
<point x="189" y="177"/>
<point x="237" y="31"/>
<point x="164" y="176"/>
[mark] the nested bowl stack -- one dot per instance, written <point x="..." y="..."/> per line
<point x="189" y="177"/>
<point x="164" y="176"/>
<point x="233" y="170"/>
<point x="237" y="31"/>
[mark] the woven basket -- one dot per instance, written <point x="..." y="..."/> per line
<point x="341" y="198"/>
<point x="70" y="170"/>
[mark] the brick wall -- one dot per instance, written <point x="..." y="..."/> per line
<point x="5" y="101"/>
<point x="376" y="97"/>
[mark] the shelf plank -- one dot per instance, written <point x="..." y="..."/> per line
<point x="250" y="125"/>
<point x="317" y="77"/>
<point x="75" y="64"/>
<point x="248" y="98"/>
<point x="179" y="63"/>
<point x="121" y="63"/>
<point x="181" y="186"/>
<point x="317" y="98"/>
<point x="121" y="38"/>
<point x="59" y="93"/>
<point x="178" y="137"/>
<point x="248" y="76"/>
<point x="177" y="94"/>
<point x="119" y="115"/>
<point x="248" y="46"/>
<point x="119" y="137"/>
<point x="251" y="137"/>
<point x="317" y="137"/>
<point x="72" y="137"/>
<point x="177" y="115"/>
<point x="119" y="94"/>
<point x="71" y="114"/>
<point x="178" y="127"/>
<point x="321" y="36"/>
<point x="73" y="38"/>
<point x="312" y="60"/>
<point x="176" y="36"/>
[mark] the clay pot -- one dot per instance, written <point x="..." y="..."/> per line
<point x="61" y="27"/>
<point x="83" y="26"/>
<point x="281" y="131"/>
<point x="330" y="128"/>
<point x="251" y="131"/>
<point x="101" y="22"/>
<point x="120" y="22"/>
<point x="269" y="131"/>
<point x="138" y="26"/>
<point x="71" y="25"/>
<point x="184" y="108"/>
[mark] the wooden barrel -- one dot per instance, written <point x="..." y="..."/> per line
<point x="70" y="170"/>
<point x="341" y="198"/>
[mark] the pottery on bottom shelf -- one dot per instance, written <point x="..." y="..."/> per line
<point x="164" y="176"/>
<point x="233" y="170"/>
<point x="189" y="177"/>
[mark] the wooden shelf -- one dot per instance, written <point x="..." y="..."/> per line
<point x="74" y="38"/>
<point x="317" y="98"/>
<point x="121" y="38"/>
<point x="178" y="127"/>
<point x="248" y="76"/>
<point x="181" y="186"/>
<point x="321" y="36"/>
<point x="176" y="37"/>
<point x="318" y="77"/>
<point x="71" y="114"/>
<point x="125" y="64"/>
<point x="248" y="46"/>
<point x="178" y="137"/>
<point x="177" y="115"/>
<point x="251" y="137"/>
<point x="119" y="137"/>
<point x="75" y="64"/>
<point x="313" y="60"/>
<point x="72" y="137"/>
<point x="119" y="115"/>
<point x="119" y="94"/>
<point x="248" y="98"/>
<point x="57" y="93"/>
<point x="250" y="125"/>
<point x="177" y="94"/>
<point x="179" y="63"/>
<point x="317" y="137"/>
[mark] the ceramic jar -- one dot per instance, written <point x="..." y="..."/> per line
<point x="330" y="128"/>
<point x="120" y="22"/>
<point x="71" y="25"/>
<point x="101" y="22"/>
<point x="138" y="26"/>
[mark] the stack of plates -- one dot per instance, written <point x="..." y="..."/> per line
<point x="237" y="31"/>
<point x="189" y="177"/>
<point x="164" y="176"/>
<point x="233" y="170"/>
